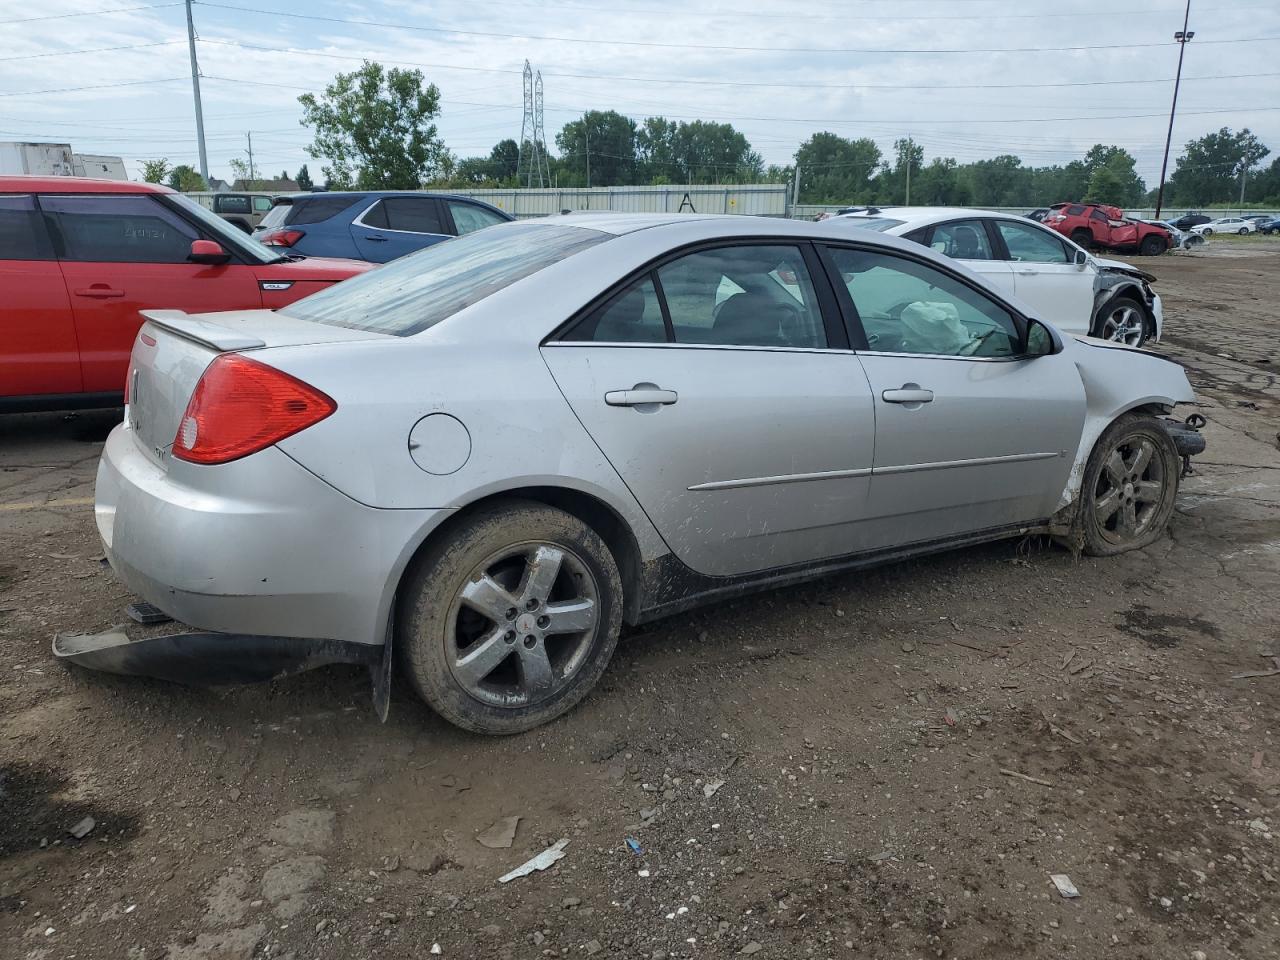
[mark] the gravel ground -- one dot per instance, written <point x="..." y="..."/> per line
<point x="887" y="764"/>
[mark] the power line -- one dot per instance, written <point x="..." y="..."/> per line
<point x="96" y="86"/>
<point x="686" y="81"/>
<point x="91" y="13"/>
<point x="704" y="46"/>
<point x="69" y="53"/>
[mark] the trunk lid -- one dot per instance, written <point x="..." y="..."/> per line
<point x="173" y="349"/>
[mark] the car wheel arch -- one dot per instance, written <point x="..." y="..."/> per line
<point x="602" y="518"/>
<point x="1122" y="287"/>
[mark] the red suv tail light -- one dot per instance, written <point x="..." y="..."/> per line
<point x="282" y="238"/>
<point x="241" y="406"/>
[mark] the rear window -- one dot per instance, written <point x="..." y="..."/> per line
<point x="315" y="209"/>
<point x="874" y="223"/>
<point x="275" y="217"/>
<point x="415" y="292"/>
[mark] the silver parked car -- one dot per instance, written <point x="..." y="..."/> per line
<point x="489" y="455"/>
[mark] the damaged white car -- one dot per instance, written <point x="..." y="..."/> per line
<point x="1065" y="284"/>
<point x="488" y="456"/>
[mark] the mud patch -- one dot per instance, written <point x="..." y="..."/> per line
<point x="30" y="810"/>
<point x="1164" y="630"/>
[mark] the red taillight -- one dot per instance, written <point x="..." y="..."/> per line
<point x="241" y="406"/>
<point x="282" y="238"/>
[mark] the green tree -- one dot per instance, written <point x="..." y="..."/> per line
<point x="375" y="128"/>
<point x="1266" y="185"/>
<point x="999" y="182"/>
<point x="891" y="183"/>
<point x="303" y="178"/>
<point x="836" y="170"/>
<point x="155" y="171"/>
<point x="1210" y="168"/>
<point x="598" y="150"/>
<point x="939" y="184"/>
<point x="1113" y="178"/>
<point x="697" y="152"/>
<point x="186" y="178"/>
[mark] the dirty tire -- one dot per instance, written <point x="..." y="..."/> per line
<point x="1152" y="247"/>
<point x="1242" y="231"/>
<point x="1118" y="513"/>
<point x="1206" y="232"/>
<point x="451" y="624"/>
<point x="1082" y="238"/>
<point x="1122" y="319"/>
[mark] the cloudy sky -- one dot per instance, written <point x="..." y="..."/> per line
<point x="967" y="78"/>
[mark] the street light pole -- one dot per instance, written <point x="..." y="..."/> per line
<point x="195" y="87"/>
<point x="1183" y="37"/>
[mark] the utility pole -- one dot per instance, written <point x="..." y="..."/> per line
<point x="586" y="133"/>
<point x="195" y="89"/>
<point x="908" y="200"/>
<point x="1183" y="37"/>
<point x="1244" y="172"/>
<point x="795" y="191"/>
<point x="252" y="174"/>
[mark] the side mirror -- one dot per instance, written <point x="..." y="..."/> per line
<point x="1040" y="342"/>
<point x="1081" y="258"/>
<point x="208" y="252"/>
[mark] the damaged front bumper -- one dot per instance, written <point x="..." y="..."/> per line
<point x="1186" y="437"/>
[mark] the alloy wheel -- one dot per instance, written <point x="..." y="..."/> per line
<point x="523" y="624"/>
<point x="1130" y="489"/>
<point x="1123" y="324"/>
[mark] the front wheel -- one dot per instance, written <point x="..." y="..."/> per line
<point x="1152" y="247"/>
<point x="1242" y="231"/>
<point x="1130" y="484"/>
<point x="1121" y="320"/>
<point x="511" y="618"/>
<point x="1206" y="232"/>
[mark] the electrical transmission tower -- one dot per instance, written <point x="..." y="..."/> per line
<point x="531" y="160"/>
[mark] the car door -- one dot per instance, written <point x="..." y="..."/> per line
<point x="729" y="404"/>
<point x="38" y="350"/>
<point x="971" y="435"/>
<point x="1099" y="227"/>
<point x="970" y="242"/>
<point x="1046" y="276"/>
<point x="121" y="253"/>
<point x="394" y="226"/>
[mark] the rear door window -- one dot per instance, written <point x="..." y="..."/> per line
<point x="231" y="204"/>
<point x="962" y="240"/>
<point x="22" y="233"/>
<point x="1075" y="210"/>
<point x="413" y="214"/>
<point x="317" y="208"/>
<point x="261" y="204"/>
<point x="120" y="228"/>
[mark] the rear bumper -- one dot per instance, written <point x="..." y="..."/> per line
<point x="257" y="546"/>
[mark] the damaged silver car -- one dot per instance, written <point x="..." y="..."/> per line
<point x="475" y="464"/>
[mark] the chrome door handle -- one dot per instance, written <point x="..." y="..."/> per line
<point x="639" y="395"/>
<point x="909" y="393"/>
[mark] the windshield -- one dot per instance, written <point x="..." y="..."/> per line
<point x="419" y="290"/>
<point x="230" y="235"/>
<point x="873" y="223"/>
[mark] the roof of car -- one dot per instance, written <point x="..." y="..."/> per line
<point x="22" y="183"/>
<point x="620" y="223"/>
<point x="926" y="214"/>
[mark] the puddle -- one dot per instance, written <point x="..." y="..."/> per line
<point x="31" y="810"/>
<point x="1161" y="629"/>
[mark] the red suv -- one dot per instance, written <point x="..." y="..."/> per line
<point x="79" y="258"/>
<point x="1106" y="227"/>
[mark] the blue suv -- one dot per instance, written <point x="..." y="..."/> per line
<point x="373" y="225"/>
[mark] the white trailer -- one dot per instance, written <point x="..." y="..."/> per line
<point x="38" y="159"/>
<point x="98" y="166"/>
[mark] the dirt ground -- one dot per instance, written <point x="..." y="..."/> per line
<point x="906" y="755"/>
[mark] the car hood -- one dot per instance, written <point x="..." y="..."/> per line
<point x="331" y="269"/>
<point x="1119" y="266"/>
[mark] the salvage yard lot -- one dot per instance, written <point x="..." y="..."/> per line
<point x="906" y="754"/>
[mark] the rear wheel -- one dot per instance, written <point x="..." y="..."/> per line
<point x="1206" y="232"/>
<point x="511" y="619"/>
<point x="1121" y="320"/>
<point x="1152" y="246"/>
<point x="1242" y="231"/>
<point x="1082" y="238"/>
<point x="1130" y="484"/>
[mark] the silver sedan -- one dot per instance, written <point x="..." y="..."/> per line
<point x="489" y="455"/>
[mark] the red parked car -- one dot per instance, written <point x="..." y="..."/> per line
<point x="79" y="258"/>
<point x="1106" y="227"/>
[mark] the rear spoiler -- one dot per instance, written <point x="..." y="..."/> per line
<point x="202" y="331"/>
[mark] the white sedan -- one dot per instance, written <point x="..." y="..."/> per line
<point x="1226" y="225"/>
<point x="1075" y="291"/>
